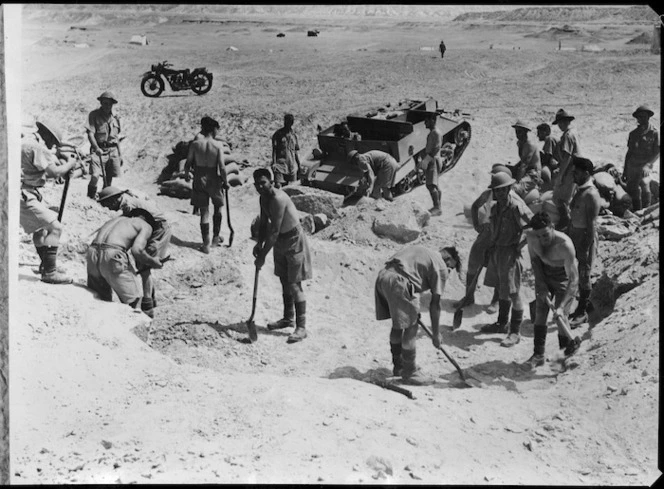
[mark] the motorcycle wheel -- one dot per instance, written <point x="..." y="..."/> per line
<point x="201" y="83"/>
<point x="152" y="86"/>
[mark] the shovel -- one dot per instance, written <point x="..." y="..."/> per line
<point x="560" y="320"/>
<point x="466" y="382"/>
<point x="230" y="228"/>
<point x="63" y="200"/>
<point x="251" y="326"/>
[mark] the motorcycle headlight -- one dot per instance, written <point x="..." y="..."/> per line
<point x="153" y="68"/>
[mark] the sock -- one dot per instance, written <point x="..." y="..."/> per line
<point x="49" y="261"/>
<point x="301" y="314"/>
<point x="147" y="306"/>
<point x="396" y="349"/>
<point x="216" y="224"/>
<point x="205" y="232"/>
<point x="540" y="338"/>
<point x="515" y="323"/>
<point x="289" y="307"/>
<point x="504" y="311"/>
<point x="41" y="251"/>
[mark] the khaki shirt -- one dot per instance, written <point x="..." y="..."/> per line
<point x="507" y="222"/>
<point x="35" y="158"/>
<point x="285" y="147"/>
<point x="106" y="128"/>
<point x="642" y="145"/>
<point x="569" y="143"/>
<point x="424" y="268"/>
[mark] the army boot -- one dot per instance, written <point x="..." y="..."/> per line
<point x="499" y="326"/>
<point x="50" y="273"/>
<point x="411" y="373"/>
<point x="513" y="338"/>
<point x="289" y="315"/>
<point x="216" y="228"/>
<point x="205" y="233"/>
<point x="300" y="332"/>
<point x="397" y="361"/>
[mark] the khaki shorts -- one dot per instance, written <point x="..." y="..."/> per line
<point x="292" y="260"/>
<point x="111" y="162"/>
<point x="159" y="241"/>
<point x="504" y="271"/>
<point x="113" y="269"/>
<point x="206" y="187"/>
<point x="396" y="298"/>
<point x="35" y="214"/>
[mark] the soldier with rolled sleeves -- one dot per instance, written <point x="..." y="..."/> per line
<point x="584" y="210"/>
<point x="39" y="161"/>
<point x="103" y="131"/>
<point x="642" y="151"/>
<point x="508" y="218"/>
<point x="563" y="186"/>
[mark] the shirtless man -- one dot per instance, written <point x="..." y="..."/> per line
<point x="432" y="163"/>
<point x="279" y="227"/>
<point x="114" y="257"/>
<point x="554" y="265"/>
<point x="206" y="156"/>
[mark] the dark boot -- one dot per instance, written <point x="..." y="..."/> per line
<point x="499" y="326"/>
<point x="411" y="372"/>
<point x="147" y="306"/>
<point x="539" y="341"/>
<point x="580" y="315"/>
<point x="289" y="315"/>
<point x="41" y="251"/>
<point x="300" y="332"/>
<point x="515" y="327"/>
<point x="92" y="192"/>
<point x="397" y="361"/>
<point x="50" y="274"/>
<point x="216" y="228"/>
<point x="532" y="307"/>
<point x="205" y="233"/>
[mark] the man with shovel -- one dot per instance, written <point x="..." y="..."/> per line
<point x="554" y="264"/>
<point x="406" y="275"/>
<point x="508" y="218"/>
<point x="103" y="129"/>
<point x="157" y="246"/>
<point x="279" y="228"/>
<point x="39" y="161"/>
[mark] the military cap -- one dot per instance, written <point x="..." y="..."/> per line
<point x="643" y="108"/>
<point x="498" y="167"/>
<point x="521" y="124"/>
<point x="51" y="128"/>
<point x="583" y="164"/>
<point x="108" y="192"/>
<point x="501" y="179"/>
<point x="109" y="95"/>
<point x="562" y="115"/>
<point x="352" y="154"/>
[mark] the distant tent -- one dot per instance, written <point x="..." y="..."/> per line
<point x="140" y="40"/>
<point x="231" y="48"/>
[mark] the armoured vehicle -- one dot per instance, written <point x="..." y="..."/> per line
<point x="397" y="130"/>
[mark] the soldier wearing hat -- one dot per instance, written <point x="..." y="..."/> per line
<point x="132" y="205"/>
<point x="479" y="212"/>
<point x="285" y="159"/>
<point x="568" y="146"/>
<point x="548" y="155"/>
<point x="103" y="129"/>
<point x="642" y="151"/>
<point x="584" y="210"/>
<point x="508" y="217"/>
<point x="529" y="159"/>
<point x="39" y="161"/>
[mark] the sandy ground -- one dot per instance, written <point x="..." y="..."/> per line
<point x="100" y="394"/>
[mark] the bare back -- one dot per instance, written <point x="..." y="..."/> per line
<point x="206" y="152"/>
<point x="560" y="253"/>
<point x="124" y="231"/>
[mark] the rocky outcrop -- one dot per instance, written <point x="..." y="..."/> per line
<point x="402" y="223"/>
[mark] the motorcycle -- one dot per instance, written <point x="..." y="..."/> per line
<point x="198" y="80"/>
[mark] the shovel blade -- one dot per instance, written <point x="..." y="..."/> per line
<point x="253" y="334"/>
<point x="458" y="316"/>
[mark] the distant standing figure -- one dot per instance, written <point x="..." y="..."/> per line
<point x="206" y="156"/>
<point x="103" y="131"/>
<point x="642" y="151"/>
<point x="563" y="186"/>
<point x="279" y="228"/>
<point x="584" y="210"/>
<point x="285" y="159"/>
<point x="442" y="48"/>
<point x="411" y="271"/>
<point x="379" y="169"/>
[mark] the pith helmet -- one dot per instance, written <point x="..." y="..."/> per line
<point x="52" y="128"/>
<point x="109" y="95"/>
<point x="498" y="168"/>
<point x="501" y="179"/>
<point x="521" y="124"/>
<point x="562" y="115"/>
<point x="352" y="154"/>
<point x="108" y="192"/>
<point x="583" y="164"/>
<point x="643" y="108"/>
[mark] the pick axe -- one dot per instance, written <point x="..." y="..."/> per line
<point x="560" y="320"/>
<point x="228" y="218"/>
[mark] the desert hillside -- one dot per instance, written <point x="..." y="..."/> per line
<point x="101" y="394"/>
